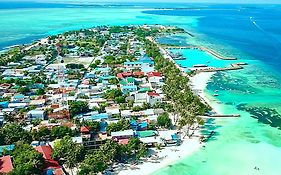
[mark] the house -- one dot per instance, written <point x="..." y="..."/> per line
<point x="13" y="73"/>
<point x="148" y="133"/>
<point x="103" y="125"/>
<point x="60" y="114"/>
<point x="127" y="89"/>
<point x="50" y="164"/>
<point x="146" y="59"/>
<point x="6" y="164"/>
<point x="126" y="113"/>
<point x="153" y="98"/>
<point x="95" y="117"/>
<point x="91" y="74"/>
<point x="82" y="88"/>
<point x="2" y="118"/>
<point x="17" y="105"/>
<point x="77" y="140"/>
<point x="122" y="134"/>
<point x="128" y="82"/>
<point x="155" y="78"/>
<point x="170" y="137"/>
<point x="38" y="103"/>
<point x="4" y="104"/>
<point x="138" y="126"/>
<point x="85" y="131"/>
<point x="18" y="98"/>
<point x="112" y="110"/>
<point x="102" y="71"/>
<point x="6" y="148"/>
<point x="132" y="65"/>
<point x="5" y="86"/>
<point x="128" y="85"/>
<point x="123" y="75"/>
<point x="36" y="114"/>
<point x="140" y="98"/>
<point x="148" y="64"/>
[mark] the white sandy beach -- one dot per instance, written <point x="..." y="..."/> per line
<point x="167" y="156"/>
<point x="199" y="83"/>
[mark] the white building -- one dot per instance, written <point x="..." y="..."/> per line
<point x="36" y="114"/>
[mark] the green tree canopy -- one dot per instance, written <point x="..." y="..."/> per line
<point x="164" y="120"/>
<point x="26" y="160"/>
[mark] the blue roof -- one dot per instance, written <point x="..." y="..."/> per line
<point x="97" y="116"/>
<point x="103" y="126"/>
<point x="7" y="147"/>
<point x="102" y="69"/>
<point x="106" y="77"/>
<point x="135" y="62"/>
<point x="146" y="59"/>
<point x="142" y="125"/>
<point x="129" y="87"/>
<point x="4" y="104"/>
<point x="174" y="137"/>
<point x="19" y="96"/>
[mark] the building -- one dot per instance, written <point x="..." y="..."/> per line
<point x="50" y="164"/>
<point x="102" y="71"/>
<point x="153" y="98"/>
<point x="122" y="134"/>
<point x="6" y="164"/>
<point x="36" y="114"/>
<point x="7" y="149"/>
<point x="133" y="65"/>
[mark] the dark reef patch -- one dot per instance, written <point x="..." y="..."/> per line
<point x="263" y="114"/>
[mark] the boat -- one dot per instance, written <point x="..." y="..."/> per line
<point x="215" y="95"/>
<point x="200" y="65"/>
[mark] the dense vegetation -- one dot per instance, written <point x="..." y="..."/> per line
<point x="186" y="106"/>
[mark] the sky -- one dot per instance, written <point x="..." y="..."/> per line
<point x="173" y="1"/>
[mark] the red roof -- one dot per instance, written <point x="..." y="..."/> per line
<point x="123" y="141"/>
<point x="153" y="94"/>
<point x="86" y="82"/>
<point x="154" y="74"/>
<point x="138" y="73"/>
<point x="124" y="74"/>
<point x="119" y="75"/>
<point x="47" y="152"/>
<point x="127" y="74"/>
<point x="85" y="129"/>
<point x="6" y="164"/>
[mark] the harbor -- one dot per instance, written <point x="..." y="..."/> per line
<point x="202" y="48"/>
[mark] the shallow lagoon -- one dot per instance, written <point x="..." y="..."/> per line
<point x="196" y="56"/>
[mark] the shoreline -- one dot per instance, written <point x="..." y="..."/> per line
<point x="166" y="156"/>
<point x="198" y="84"/>
<point x="171" y="155"/>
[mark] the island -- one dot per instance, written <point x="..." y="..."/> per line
<point x="109" y="99"/>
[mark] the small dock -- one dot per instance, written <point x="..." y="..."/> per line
<point x="225" y="116"/>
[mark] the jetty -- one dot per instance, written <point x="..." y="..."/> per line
<point x="202" y="48"/>
<point x="224" y="116"/>
<point x="235" y="66"/>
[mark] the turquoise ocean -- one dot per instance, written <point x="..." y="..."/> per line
<point x="249" y="32"/>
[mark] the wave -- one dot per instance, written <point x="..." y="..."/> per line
<point x="278" y="42"/>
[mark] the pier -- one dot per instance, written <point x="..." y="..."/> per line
<point x="202" y="48"/>
<point x="225" y="116"/>
<point x="213" y="69"/>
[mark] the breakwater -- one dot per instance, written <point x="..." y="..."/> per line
<point x="208" y="50"/>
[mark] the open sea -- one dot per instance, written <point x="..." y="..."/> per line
<point x="250" y="32"/>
